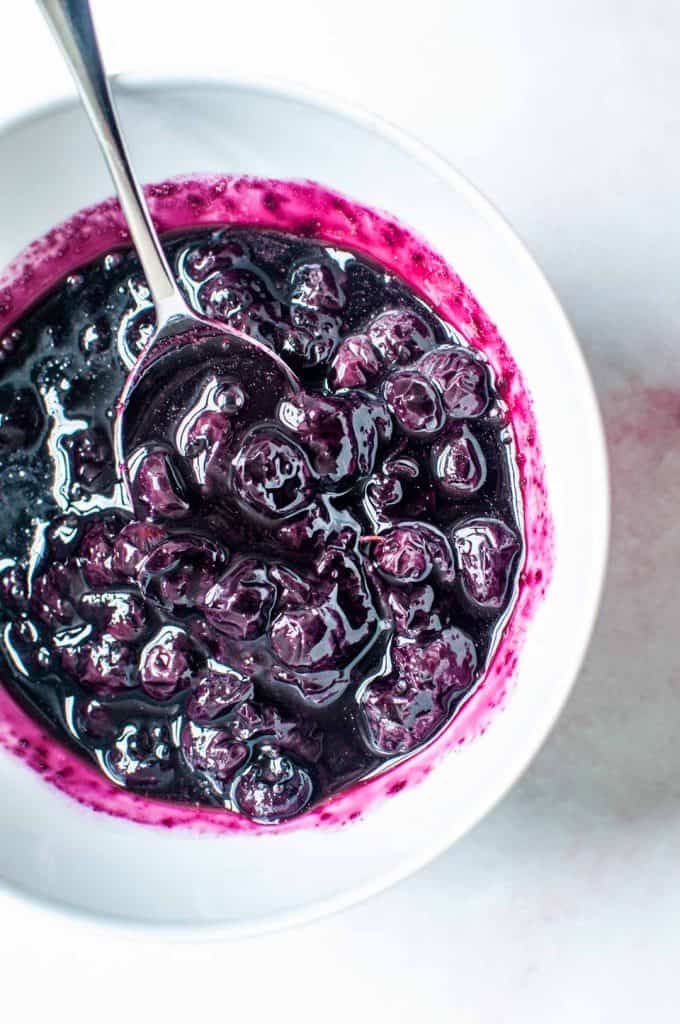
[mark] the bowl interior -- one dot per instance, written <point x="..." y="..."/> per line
<point x="66" y="853"/>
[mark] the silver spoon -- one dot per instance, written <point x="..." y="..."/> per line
<point x="182" y="339"/>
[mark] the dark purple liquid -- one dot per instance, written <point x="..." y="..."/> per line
<point x="301" y="593"/>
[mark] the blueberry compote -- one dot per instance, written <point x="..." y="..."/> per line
<point x="276" y="607"/>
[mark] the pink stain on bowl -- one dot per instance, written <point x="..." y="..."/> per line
<point x="313" y="211"/>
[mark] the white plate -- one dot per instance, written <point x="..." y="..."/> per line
<point x="52" y="848"/>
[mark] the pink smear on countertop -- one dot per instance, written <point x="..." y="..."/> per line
<point x="313" y="211"/>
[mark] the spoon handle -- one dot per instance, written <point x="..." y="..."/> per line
<point x="72" y="24"/>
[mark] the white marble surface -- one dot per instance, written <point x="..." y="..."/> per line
<point x="563" y="904"/>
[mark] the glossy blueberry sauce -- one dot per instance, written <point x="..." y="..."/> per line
<point x="295" y="598"/>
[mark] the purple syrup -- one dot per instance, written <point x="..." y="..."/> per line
<point x="301" y="591"/>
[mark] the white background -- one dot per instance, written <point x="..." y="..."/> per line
<point x="564" y="904"/>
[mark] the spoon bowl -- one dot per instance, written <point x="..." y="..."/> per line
<point x="196" y="370"/>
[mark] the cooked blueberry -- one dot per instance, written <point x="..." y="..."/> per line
<point x="462" y="379"/>
<point x="225" y="251"/>
<point x="178" y="573"/>
<point x="407" y="708"/>
<point x="50" y="599"/>
<point x="91" y="458"/>
<point x="141" y="756"/>
<point x="449" y="662"/>
<point x="382" y="495"/>
<point x="401" y="488"/>
<point x="204" y="433"/>
<point x="212" y="752"/>
<point x="440" y="552"/>
<point x="167" y="663"/>
<point x="96" y="553"/>
<point x="157" y="486"/>
<point x="305" y="341"/>
<point x="271" y="474"/>
<point x="201" y="260"/>
<point x="322" y="327"/>
<point x="307" y="337"/>
<point x="206" y="428"/>
<point x="134" y="542"/>
<point x="485" y="551"/>
<point x="342" y="432"/>
<point x="414" y="403"/>
<point x="315" y="285"/>
<point x="240" y="602"/>
<point x="104" y="664"/>
<point x="231" y="292"/>
<point x="118" y="612"/>
<point x="341" y="576"/>
<point x="320" y="525"/>
<point x="414" y="611"/>
<point x="273" y="789"/>
<point x="217" y="692"/>
<point x="402" y="556"/>
<point x="306" y="530"/>
<point x="411" y="551"/>
<point x="356" y="363"/>
<point x="400" y="336"/>
<point x="294" y="591"/>
<point x="309" y="638"/>
<point x="458" y="462"/>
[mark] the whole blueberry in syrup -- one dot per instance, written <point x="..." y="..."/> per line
<point x="281" y="604"/>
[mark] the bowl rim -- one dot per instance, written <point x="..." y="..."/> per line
<point x="363" y="117"/>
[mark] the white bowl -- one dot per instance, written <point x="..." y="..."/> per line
<point x="56" y="850"/>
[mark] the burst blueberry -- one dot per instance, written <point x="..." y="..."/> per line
<point x="355" y="364"/>
<point x="406" y="709"/>
<point x="271" y="474"/>
<point x="414" y="403"/>
<point x="96" y="552"/>
<point x="240" y="602"/>
<point x="177" y="574"/>
<point x="485" y="551"/>
<point x="167" y="663"/>
<point x="157" y="486"/>
<point x="216" y="692"/>
<point x="134" y="542"/>
<point x="307" y="639"/>
<point x="103" y="664"/>
<point x="316" y="286"/>
<point x="92" y="459"/>
<point x="461" y="377"/>
<point x="400" y="336"/>
<point x="213" y="753"/>
<point x="458" y="462"/>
